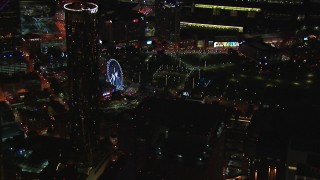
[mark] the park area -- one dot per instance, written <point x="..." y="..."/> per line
<point x="236" y="78"/>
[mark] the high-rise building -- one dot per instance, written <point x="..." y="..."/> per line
<point x="9" y="19"/>
<point x="167" y="20"/>
<point x="82" y="50"/>
<point x="1" y="154"/>
<point x="10" y="30"/>
<point x="123" y="25"/>
<point x="11" y="56"/>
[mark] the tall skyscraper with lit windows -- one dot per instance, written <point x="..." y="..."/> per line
<point x="82" y="48"/>
<point x="10" y="34"/>
<point x="168" y="19"/>
<point x="9" y="19"/>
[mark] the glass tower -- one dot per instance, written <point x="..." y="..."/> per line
<point x="81" y="39"/>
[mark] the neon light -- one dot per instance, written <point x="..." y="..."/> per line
<point x="210" y="26"/>
<point x="114" y="73"/>
<point x="92" y="10"/>
<point x="230" y="8"/>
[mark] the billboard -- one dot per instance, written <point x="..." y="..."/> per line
<point x="226" y="44"/>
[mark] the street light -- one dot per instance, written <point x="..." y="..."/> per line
<point x="275" y="173"/>
<point x="256" y="175"/>
<point x="139" y="77"/>
<point x="166" y="80"/>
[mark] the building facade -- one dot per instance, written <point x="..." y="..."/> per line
<point x="82" y="50"/>
<point x="9" y="19"/>
<point x="167" y="16"/>
<point x="120" y="27"/>
<point x="207" y="20"/>
<point x="10" y="31"/>
<point x="13" y="68"/>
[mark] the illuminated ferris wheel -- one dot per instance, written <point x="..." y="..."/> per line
<point x="114" y="74"/>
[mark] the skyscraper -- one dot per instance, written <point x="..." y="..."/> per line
<point x="81" y="38"/>
<point x="9" y="19"/>
<point x="168" y="19"/>
<point x="1" y="153"/>
<point x="10" y="30"/>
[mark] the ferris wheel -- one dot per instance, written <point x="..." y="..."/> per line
<point x="114" y="74"/>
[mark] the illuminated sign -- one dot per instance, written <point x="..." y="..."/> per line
<point x="226" y="44"/>
<point x="230" y="8"/>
